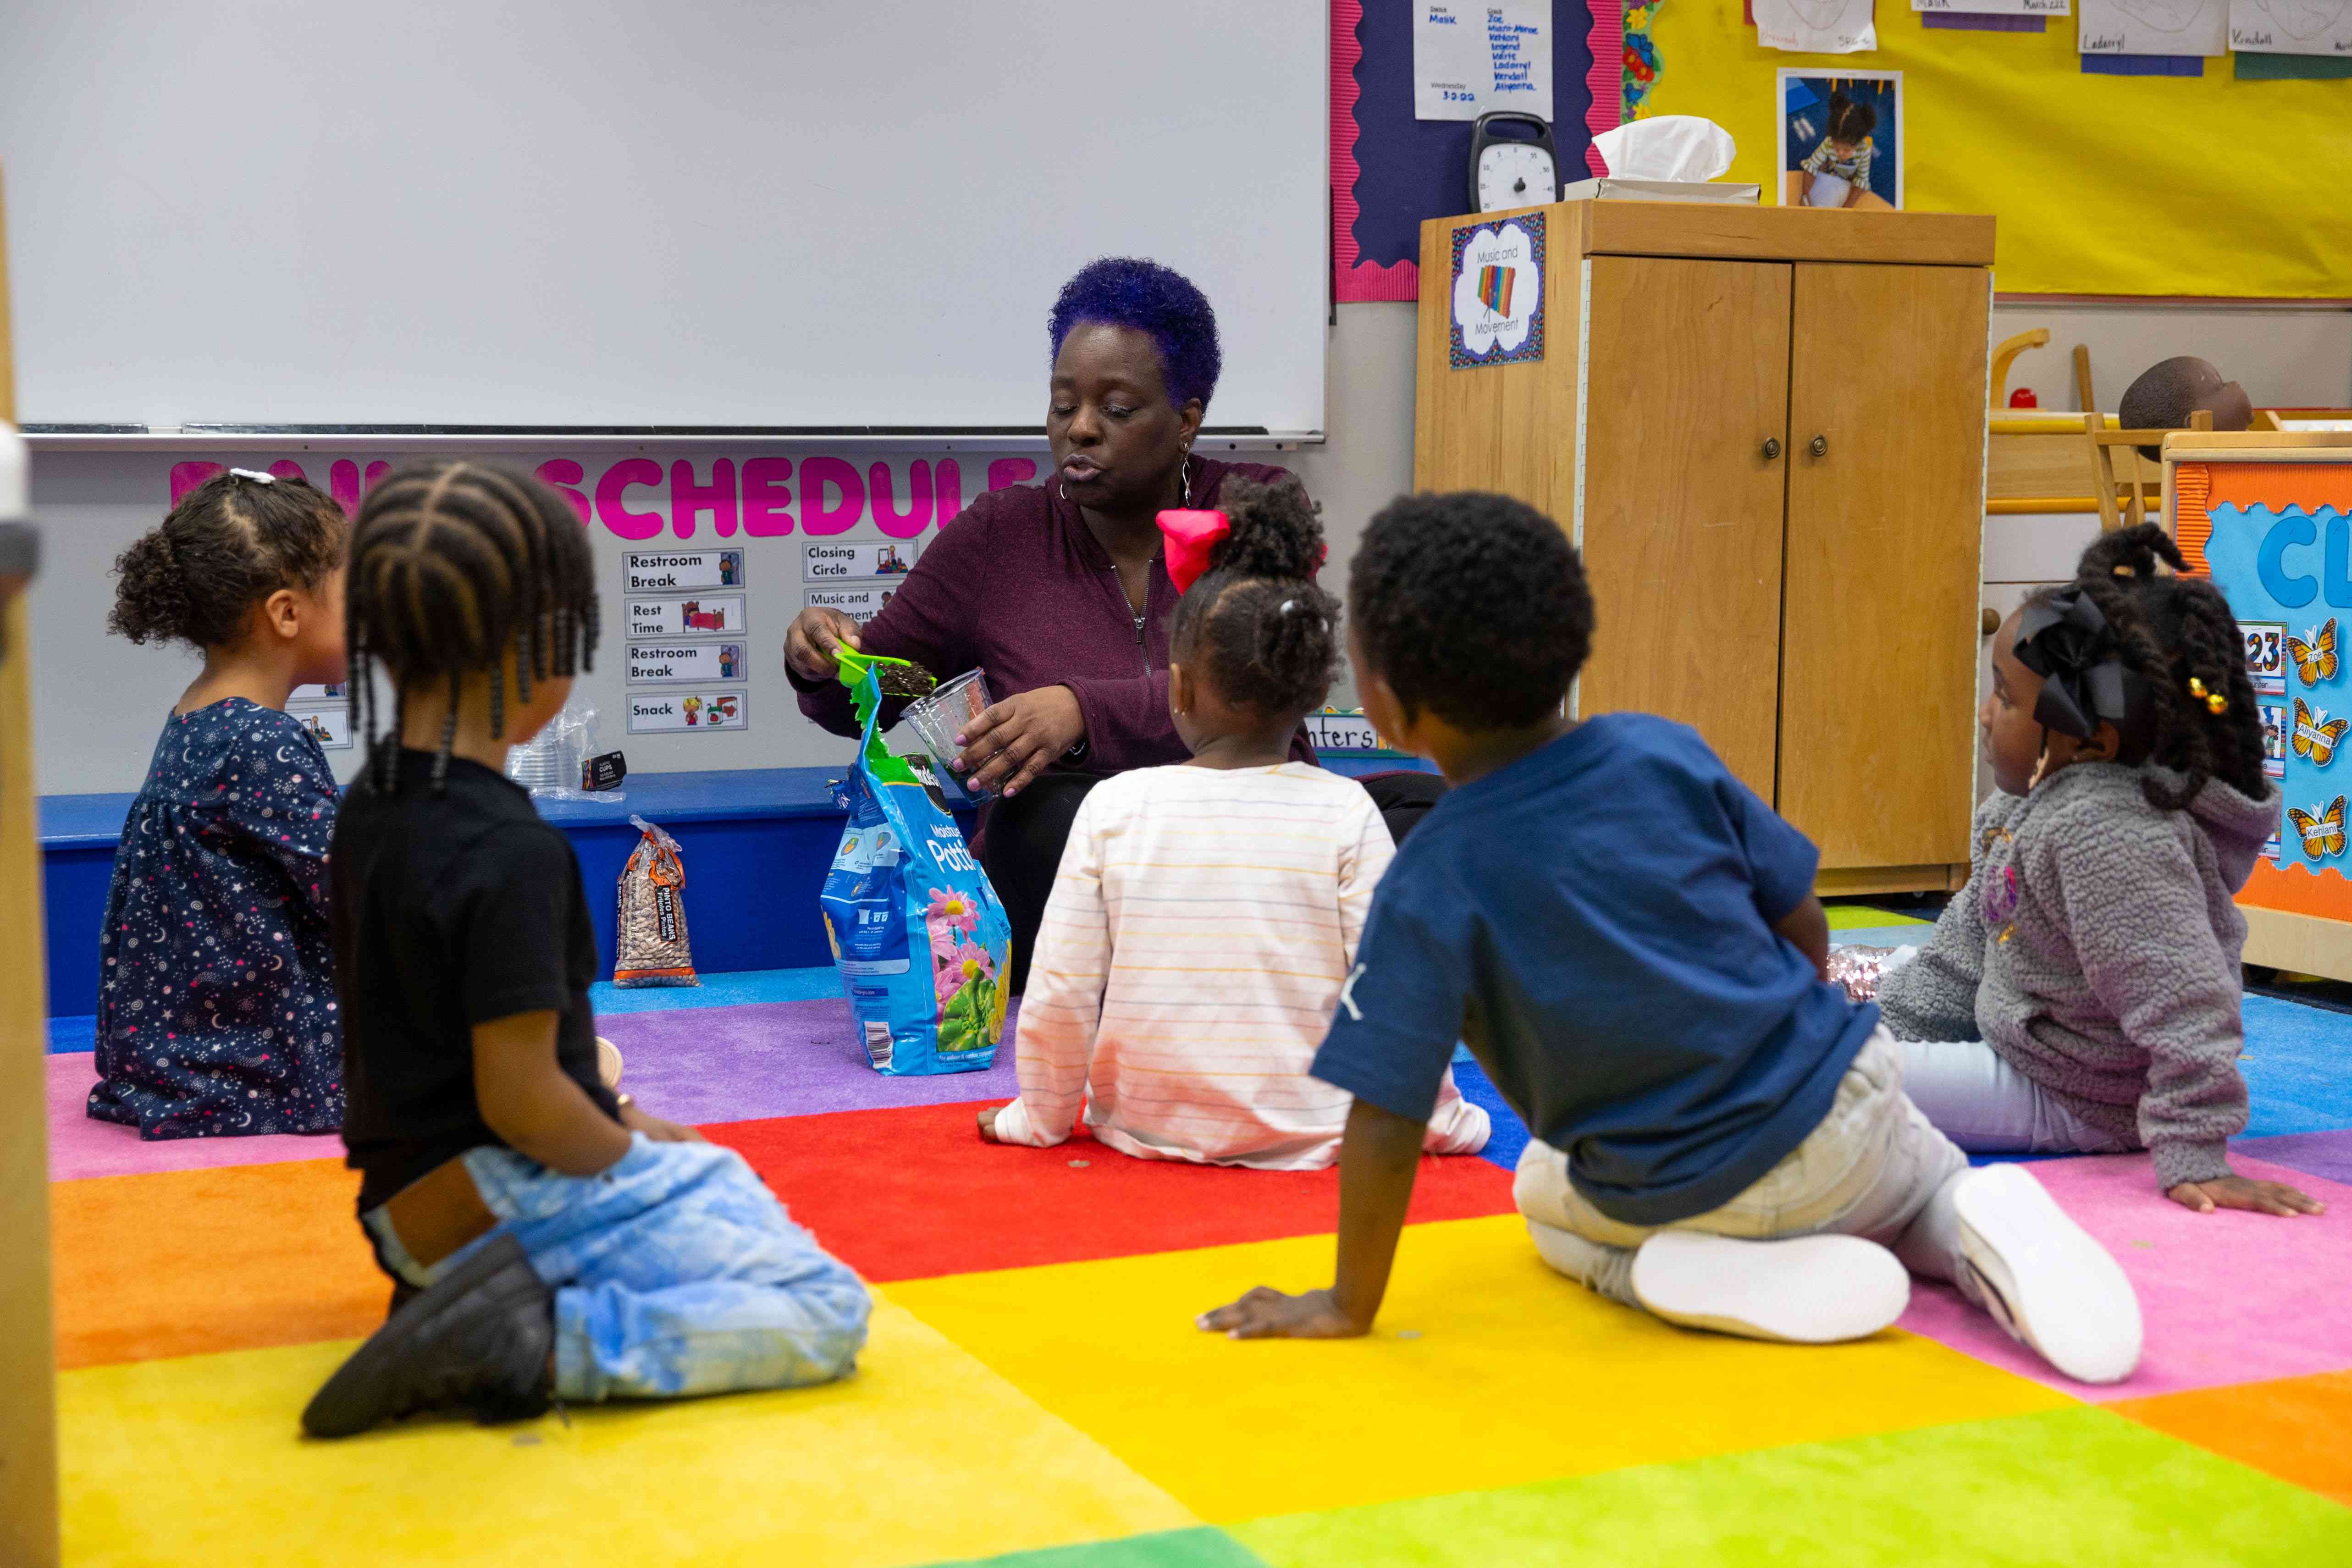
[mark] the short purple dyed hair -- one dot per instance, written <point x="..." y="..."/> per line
<point x="1157" y="301"/>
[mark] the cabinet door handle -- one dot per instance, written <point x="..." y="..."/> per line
<point x="1771" y="448"/>
<point x="1821" y="447"/>
<point x="1989" y="622"/>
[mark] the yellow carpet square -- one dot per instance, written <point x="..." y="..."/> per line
<point x="923" y="1456"/>
<point x="1486" y="1370"/>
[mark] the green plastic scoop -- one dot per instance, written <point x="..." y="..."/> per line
<point x="863" y="674"/>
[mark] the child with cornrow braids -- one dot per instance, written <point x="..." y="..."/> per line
<point x="547" y="1239"/>
<point x="2082" y="993"/>
<point x="1206" y="914"/>
<point x="217" y="1012"/>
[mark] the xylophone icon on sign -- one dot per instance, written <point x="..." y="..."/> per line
<point x="1494" y="288"/>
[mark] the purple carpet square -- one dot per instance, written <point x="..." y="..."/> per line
<point x="1980" y="22"/>
<point x="2143" y="65"/>
<point x="700" y="1065"/>
<point x="2327" y="1155"/>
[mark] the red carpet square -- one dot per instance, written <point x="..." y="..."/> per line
<point x="911" y="1192"/>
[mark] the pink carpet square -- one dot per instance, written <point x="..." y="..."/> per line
<point x="2225" y="1298"/>
<point x="80" y="1147"/>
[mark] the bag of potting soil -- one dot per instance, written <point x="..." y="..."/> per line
<point x="649" y="945"/>
<point x="917" y="935"/>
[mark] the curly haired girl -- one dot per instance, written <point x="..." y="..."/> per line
<point x="1207" y="913"/>
<point x="2083" y="993"/>
<point x="216" y="998"/>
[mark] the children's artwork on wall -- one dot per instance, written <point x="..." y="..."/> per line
<point x="2175" y="28"/>
<point x="2275" y="538"/>
<point x="1841" y="138"/>
<point x="1817" y="26"/>
<point x="2291" y="26"/>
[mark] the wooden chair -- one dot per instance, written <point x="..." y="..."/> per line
<point x="2138" y="495"/>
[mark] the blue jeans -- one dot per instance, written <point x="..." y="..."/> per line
<point x="676" y="1272"/>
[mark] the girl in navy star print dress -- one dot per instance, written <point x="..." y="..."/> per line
<point x="216" y="1002"/>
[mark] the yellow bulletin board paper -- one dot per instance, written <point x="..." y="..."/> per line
<point x="2103" y="184"/>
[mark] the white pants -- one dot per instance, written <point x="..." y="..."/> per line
<point x="1873" y="1168"/>
<point x="1987" y="1107"/>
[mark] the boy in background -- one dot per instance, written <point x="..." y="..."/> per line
<point x="2168" y="392"/>
<point x="1627" y="939"/>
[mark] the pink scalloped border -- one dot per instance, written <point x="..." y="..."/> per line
<point x="1606" y="80"/>
<point x="1357" y="279"/>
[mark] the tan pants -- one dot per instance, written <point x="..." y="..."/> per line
<point x="1873" y="1168"/>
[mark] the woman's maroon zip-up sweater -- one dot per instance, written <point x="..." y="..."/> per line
<point x="1016" y="586"/>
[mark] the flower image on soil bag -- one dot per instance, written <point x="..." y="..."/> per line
<point x="650" y="945"/>
<point x="917" y="935"/>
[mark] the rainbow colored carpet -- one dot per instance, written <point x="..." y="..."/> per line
<point x="1034" y="1391"/>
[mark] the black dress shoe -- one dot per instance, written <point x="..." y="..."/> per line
<point x="477" y="1341"/>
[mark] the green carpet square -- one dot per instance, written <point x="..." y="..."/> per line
<point x="2063" y="1487"/>
<point x="1203" y="1548"/>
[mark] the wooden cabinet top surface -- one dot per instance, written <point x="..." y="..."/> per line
<point x="1753" y="233"/>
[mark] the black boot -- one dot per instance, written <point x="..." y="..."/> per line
<point x="478" y="1341"/>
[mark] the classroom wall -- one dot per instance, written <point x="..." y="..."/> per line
<point x="2286" y="355"/>
<point x="100" y="701"/>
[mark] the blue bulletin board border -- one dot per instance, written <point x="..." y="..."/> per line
<point x="1458" y="355"/>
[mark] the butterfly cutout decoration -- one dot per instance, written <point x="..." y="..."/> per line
<point x="2315" y="659"/>
<point x="2315" y="734"/>
<point x="2323" y="835"/>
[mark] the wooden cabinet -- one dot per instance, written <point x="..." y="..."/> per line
<point x="1765" y="429"/>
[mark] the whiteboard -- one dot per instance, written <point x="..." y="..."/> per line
<point x="706" y="214"/>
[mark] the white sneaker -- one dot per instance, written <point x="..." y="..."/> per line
<point x="2042" y="1276"/>
<point x="1806" y="1290"/>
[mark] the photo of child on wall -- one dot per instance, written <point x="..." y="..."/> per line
<point x="1840" y="143"/>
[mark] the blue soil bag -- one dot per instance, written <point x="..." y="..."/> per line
<point x="917" y="935"/>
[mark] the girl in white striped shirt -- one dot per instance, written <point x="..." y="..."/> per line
<point x="1205" y="916"/>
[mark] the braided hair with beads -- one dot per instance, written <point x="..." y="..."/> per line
<point x="2177" y="633"/>
<point x="452" y="565"/>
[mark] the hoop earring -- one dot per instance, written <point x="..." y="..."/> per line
<point x="2041" y="764"/>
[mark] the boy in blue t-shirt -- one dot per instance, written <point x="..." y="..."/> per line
<point x="1628" y="939"/>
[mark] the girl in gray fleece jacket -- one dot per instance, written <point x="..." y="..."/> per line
<point x="2081" y="994"/>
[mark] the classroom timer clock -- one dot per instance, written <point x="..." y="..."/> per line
<point x="1512" y="171"/>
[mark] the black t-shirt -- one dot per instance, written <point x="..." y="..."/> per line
<point x="450" y="910"/>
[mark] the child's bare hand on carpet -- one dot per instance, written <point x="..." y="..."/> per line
<point x="654" y="1128"/>
<point x="2241" y="1193"/>
<point x="988" y="1123"/>
<point x="1266" y="1313"/>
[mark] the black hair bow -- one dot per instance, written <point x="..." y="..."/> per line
<point x="2066" y="641"/>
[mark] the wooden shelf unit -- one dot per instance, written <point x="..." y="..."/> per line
<point x="1765" y="429"/>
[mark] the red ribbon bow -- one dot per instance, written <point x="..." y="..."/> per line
<point x="1191" y="536"/>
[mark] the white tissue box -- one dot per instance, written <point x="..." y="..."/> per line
<point x="1609" y="188"/>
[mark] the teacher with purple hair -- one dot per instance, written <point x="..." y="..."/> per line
<point x="1057" y="592"/>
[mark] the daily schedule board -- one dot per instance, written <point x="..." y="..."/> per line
<point x="2269" y="519"/>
